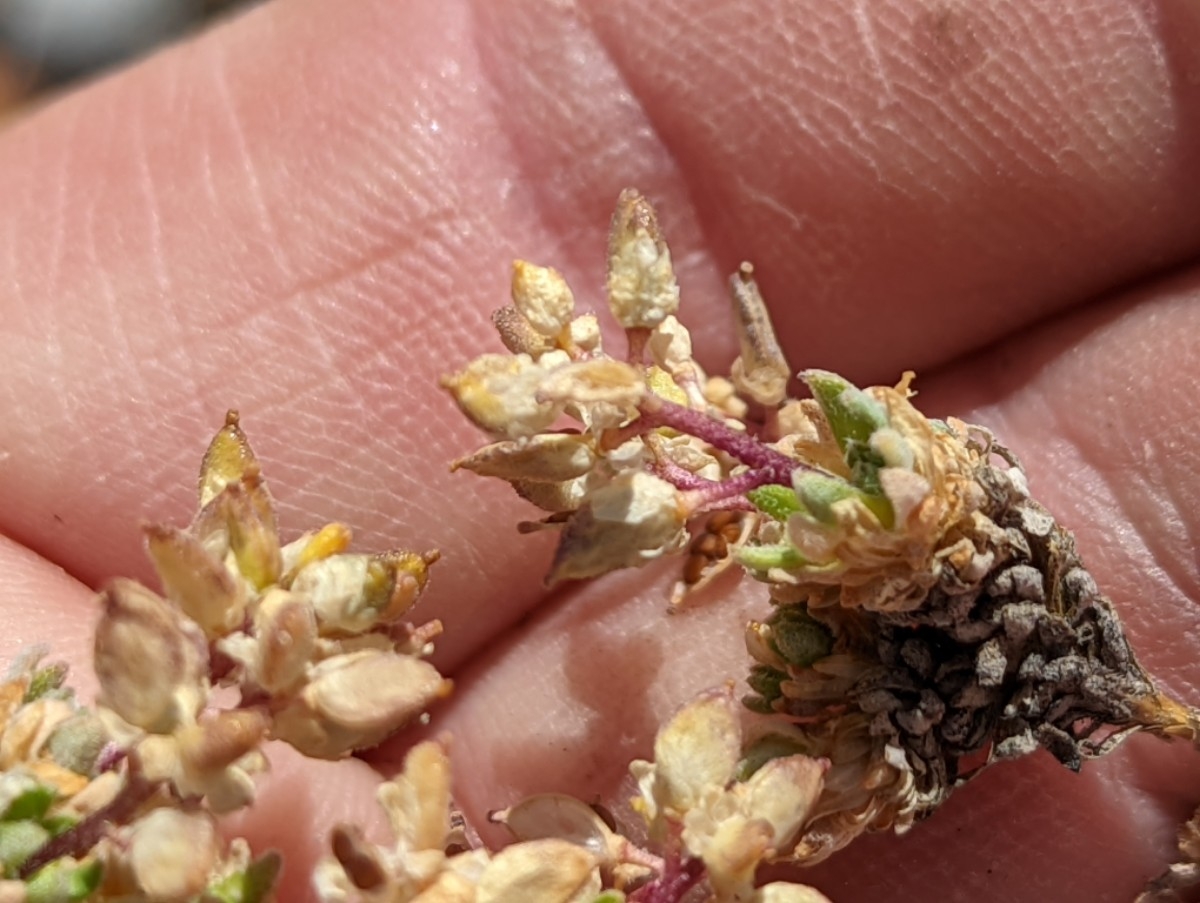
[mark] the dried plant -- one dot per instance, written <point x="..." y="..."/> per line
<point x="929" y="616"/>
<point x="119" y="801"/>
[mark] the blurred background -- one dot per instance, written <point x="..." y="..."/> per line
<point x="46" y="44"/>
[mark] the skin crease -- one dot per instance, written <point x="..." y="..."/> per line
<point x="308" y="214"/>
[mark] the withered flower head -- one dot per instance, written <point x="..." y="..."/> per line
<point x="632" y="520"/>
<point x="731" y="825"/>
<point x="418" y="867"/>
<point x="930" y="616"/>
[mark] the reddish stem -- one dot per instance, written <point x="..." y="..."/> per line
<point x="774" y="466"/>
<point x="677" y="879"/>
<point x="78" y="840"/>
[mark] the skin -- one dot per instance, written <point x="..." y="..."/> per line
<point x="309" y="212"/>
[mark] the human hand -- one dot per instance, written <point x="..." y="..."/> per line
<point x="309" y="213"/>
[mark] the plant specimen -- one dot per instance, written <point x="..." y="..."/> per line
<point x="120" y="801"/>
<point x="929" y="616"/>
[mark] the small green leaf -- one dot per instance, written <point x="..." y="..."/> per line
<point x="818" y="493"/>
<point x="77" y="742"/>
<point x="250" y="886"/>
<point x="763" y="558"/>
<point x="852" y="414"/>
<point x="64" y="881"/>
<point x="18" y="841"/>
<point x="610" y="896"/>
<point x="798" y="638"/>
<point x="59" y="824"/>
<point x="30" y="804"/>
<point x="775" y="501"/>
<point x="46" y="681"/>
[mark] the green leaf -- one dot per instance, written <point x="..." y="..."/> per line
<point x="77" y="742"/>
<point x="18" y="841"/>
<point x="46" y="681"/>
<point x="759" y="705"/>
<point x="610" y="896"/>
<point x="853" y="415"/>
<point x="819" y="493"/>
<point x="763" y="558"/>
<point x="59" y="824"/>
<point x="799" y="639"/>
<point x="30" y="804"/>
<point x="250" y="886"/>
<point x="64" y="881"/>
<point x="775" y="501"/>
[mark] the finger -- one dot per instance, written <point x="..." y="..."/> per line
<point x="953" y="171"/>
<point x="317" y="249"/>
<point x="1100" y="407"/>
<point x="46" y="609"/>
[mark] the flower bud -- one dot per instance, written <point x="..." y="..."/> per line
<point x="356" y="593"/>
<point x="543" y="297"/>
<point x="354" y="701"/>
<point x="630" y="521"/>
<point x="547" y="458"/>
<point x="253" y="538"/>
<point x="152" y="663"/>
<point x="171" y="853"/>
<point x="498" y="393"/>
<point x="226" y="461"/>
<point x="194" y="580"/>
<point x="518" y="335"/>
<point x="286" y="630"/>
<point x="642" y="291"/>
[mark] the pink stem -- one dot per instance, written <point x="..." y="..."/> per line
<point x="775" y="467"/>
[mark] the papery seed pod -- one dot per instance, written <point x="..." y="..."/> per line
<point x="547" y="870"/>
<point x="227" y="459"/>
<point x="417" y="801"/>
<point x="641" y="281"/>
<point x="151" y="662"/>
<point x="197" y="582"/>
<point x="543" y="297"/>
<point x="499" y="394"/>
<point x="547" y="458"/>
<point x="634" y="519"/>
<point x="286" y="629"/>
<point x="353" y="701"/>
<point x="171" y="854"/>
<point x="761" y="371"/>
